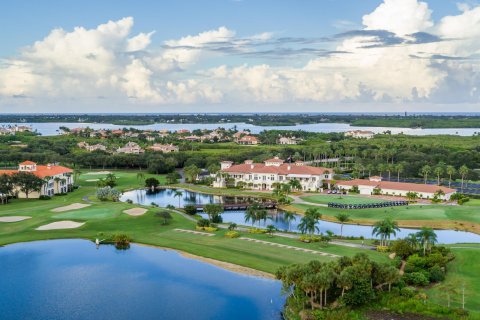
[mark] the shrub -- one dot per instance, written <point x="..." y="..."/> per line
<point x="408" y="292"/>
<point x="257" y="231"/>
<point x="190" y="209"/>
<point x="360" y="293"/>
<point x="437" y="273"/>
<point x="170" y="206"/>
<point x="121" y="240"/>
<point x="382" y="248"/>
<point x="308" y="238"/>
<point x="203" y="223"/>
<point x="208" y="229"/>
<point x="44" y="197"/>
<point x="416" y="279"/>
<point x="108" y="193"/>
<point x="232" y="234"/>
<point x="129" y="201"/>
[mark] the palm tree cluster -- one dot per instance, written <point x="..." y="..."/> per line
<point x="308" y="223"/>
<point x="385" y="229"/>
<point x="350" y="281"/>
<point x="255" y="213"/>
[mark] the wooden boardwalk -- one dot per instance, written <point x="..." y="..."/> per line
<point x="240" y="206"/>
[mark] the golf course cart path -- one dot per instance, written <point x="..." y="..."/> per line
<point x="135" y="212"/>
<point x="66" y="224"/>
<point x="73" y="206"/>
<point x="298" y="200"/>
<point x="14" y="218"/>
<point x="291" y="247"/>
<point x="195" y="232"/>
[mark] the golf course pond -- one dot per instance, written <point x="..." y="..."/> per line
<point x="72" y="279"/>
<point x="164" y="197"/>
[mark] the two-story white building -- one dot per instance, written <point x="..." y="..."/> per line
<point x="264" y="176"/>
<point x="57" y="179"/>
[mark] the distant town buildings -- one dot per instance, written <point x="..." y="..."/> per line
<point x="14" y="129"/>
<point x="360" y="134"/>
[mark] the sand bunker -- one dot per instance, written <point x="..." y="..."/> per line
<point x="61" y="225"/>
<point x="14" y="218"/>
<point x="135" y="211"/>
<point x="72" y="206"/>
<point x="93" y="173"/>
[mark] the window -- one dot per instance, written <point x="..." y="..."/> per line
<point x="272" y="177"/>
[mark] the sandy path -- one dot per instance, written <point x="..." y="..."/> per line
<point x="72" y="206"/>
<point x="92" y="180"/>
<point x="135" y="211"/>
<point x="14" y="218"/>
<point x="61" y="225"/>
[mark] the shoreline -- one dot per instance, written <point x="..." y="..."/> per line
<point x="218" y="263"/>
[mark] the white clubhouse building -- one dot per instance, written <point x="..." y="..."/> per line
<point x="264" y="176"/>
<point x="425" y="191"/>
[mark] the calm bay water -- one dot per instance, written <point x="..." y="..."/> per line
<point x="70" y="279"/>
<point x="50" y="129"/>
<point x="167" y="197"/>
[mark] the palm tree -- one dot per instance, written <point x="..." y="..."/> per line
<point x="308" y="224"/>
<point x="425" y="171"/>
<point x="342" y="218"/>
<point x="140" y="176"/>
<point x="271" y="229"/>
<point x="385" y="228"/>
<point x="438" y="172"/>
<point x="178" y="194"/>
<point x="254" y="214"/>
<point x="463" y="172"/>
<point x="288" y="217"/>
<point x="399" y="168"/>
<point x="427" y="238"/>
<point x="295" y="184"/>
<point x="450" y="171"/>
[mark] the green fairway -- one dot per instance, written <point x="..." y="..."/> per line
<point x="437" y="213"/>
<point x="344" y="199"/>
<point x="462" y="272"/>
<point x="108" y="218"/>
<point x="90" y="213"/>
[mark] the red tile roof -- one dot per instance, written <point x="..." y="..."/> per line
<point x="42" y="171"/>
<point x="27" y="163"/>
<point x="281" y="169"/>
<point x="403" y="186"/>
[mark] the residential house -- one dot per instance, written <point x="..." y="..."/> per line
<point x="360" y="134"/>
<point x="57" y="179"/>
<point x="131" y="148"/>
<point x="248" y="140"/>
<point x="165" y="148"/>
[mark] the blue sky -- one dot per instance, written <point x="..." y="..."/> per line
<point x="239" y="55"/>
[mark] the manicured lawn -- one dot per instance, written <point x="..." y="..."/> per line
<point x="462" y="272"/>
<point x="473" y="203"/>
<point x="344" y="199"/>
<point x="107" y="218"/>
<point x="453" y="216"/>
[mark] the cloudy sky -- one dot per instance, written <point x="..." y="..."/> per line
<point x="239" y="56"/>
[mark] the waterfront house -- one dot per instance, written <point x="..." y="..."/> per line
<point x="360" y="134"/>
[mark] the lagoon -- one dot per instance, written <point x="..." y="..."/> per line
<point x="52" y="128"/>
<point x="166" y="197"/>
<point x="71" y="279"/>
